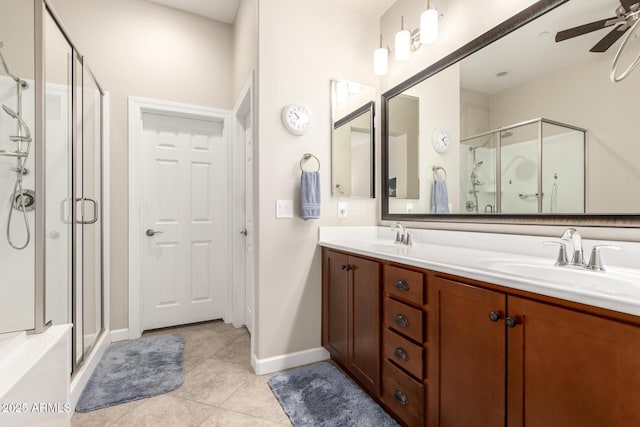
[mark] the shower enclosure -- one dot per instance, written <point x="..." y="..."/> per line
<point x="537" y="166"/>
<point x="50" y="179"/>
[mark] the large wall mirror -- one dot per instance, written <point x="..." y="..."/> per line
<point x="352" y="139"/>
<point x="521" y="127"/>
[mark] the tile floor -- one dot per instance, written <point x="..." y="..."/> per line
<point x="220" y="388"/>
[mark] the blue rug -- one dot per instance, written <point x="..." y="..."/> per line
<point x="321" y="395"/>
<point x="133" y="370"/>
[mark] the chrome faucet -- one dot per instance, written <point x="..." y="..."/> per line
<point x="571" y="234"/>
<point x="402" y="235"/>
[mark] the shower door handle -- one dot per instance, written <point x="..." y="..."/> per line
<point x="95" y="211"/>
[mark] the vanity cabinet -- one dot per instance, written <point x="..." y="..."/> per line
<point x="351" y="315"/>
<point x="441" y="350"/>
<point x="505" y="357"/>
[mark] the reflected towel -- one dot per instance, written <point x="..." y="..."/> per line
<point x="439" y="198"/>
<point x="310" y="195"/>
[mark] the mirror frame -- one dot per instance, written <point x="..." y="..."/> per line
<point x="527" y="15"/>
<point x="369" y="107"/>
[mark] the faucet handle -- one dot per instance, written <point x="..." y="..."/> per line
<point x="562" y="254"/>
<point x="595" y="261"/>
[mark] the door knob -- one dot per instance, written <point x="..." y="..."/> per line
<point x="151" y="232"/>
<point x="244" y="233"/>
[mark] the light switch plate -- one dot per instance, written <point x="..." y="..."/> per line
<point x="342" y="209"/>
<point x="284" y="208"/>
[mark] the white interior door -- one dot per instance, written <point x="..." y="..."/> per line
<point x="185" y="220"/>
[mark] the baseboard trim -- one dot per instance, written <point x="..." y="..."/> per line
<point x="120" y="335"/>
<point x="270" y="365"/>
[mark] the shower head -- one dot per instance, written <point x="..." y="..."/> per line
<point x="23" y="124"/>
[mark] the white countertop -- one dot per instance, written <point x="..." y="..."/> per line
<point x="519" y="262"/>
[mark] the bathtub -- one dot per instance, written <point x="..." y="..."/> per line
<point x="35" y="372"/>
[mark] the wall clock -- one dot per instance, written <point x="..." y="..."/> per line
<point x="440" y="140"/>
<point x="296" y="118"/>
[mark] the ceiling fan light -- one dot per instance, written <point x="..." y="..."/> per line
<point x="403" y="45"/>
<point x="429" y="26"/>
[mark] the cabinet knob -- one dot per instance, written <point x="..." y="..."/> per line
<point x="346" y="267"/>
<point x="400" y="397"/>
<point x="401" y="354"/>
<point x="494" y="316"/>
<point x="512" y="321"/>
<point x="401" y="320"/>
<point x="401" y="285"/>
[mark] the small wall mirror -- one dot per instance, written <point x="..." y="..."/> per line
<point x="352" y="139"/>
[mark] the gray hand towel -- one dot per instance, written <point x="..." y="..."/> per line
<point x="310" y="195"/>
<point x="439" y="198"/>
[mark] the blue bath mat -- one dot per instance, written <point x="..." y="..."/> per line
<point x="133" y="370"/>
<point x="321" y="395"/>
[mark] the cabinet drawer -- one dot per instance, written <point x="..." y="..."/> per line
<point x="403" y="395"/>
<point x="404" y="319"/>
<point x="404" y="353"/>
<point x="404" y="284"/>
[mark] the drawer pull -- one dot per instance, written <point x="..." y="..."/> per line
<point x="401" y="285"/>
<point x="400" y="397"/>
<point x="401" y="354"/>
<point x="401" y="320"/>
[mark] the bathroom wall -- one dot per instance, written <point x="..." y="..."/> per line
<point x="439" y="105"/>
<point x="303" y="44"/>
<point x="138" y="48"/>
<point x="245" y="44"/>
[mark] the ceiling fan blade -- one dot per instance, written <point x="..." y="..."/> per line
<point x="607" y="41"/>
<point x="584" y="29"/>
<point x="626" y="4"/>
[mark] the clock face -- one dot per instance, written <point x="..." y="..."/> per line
<point x="296" y="118"/>
<point x="440" y="140"/>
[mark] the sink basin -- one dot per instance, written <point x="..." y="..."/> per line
<point x="612" y="282"/>
<point x="387" y="247"/>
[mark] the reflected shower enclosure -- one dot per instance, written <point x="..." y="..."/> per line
<point x="533" y="167"/>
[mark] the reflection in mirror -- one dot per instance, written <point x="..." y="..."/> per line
<point x="577" y="160"/>
<point x="352" y="139"/>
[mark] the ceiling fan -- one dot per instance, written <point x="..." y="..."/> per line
<point x="626" y="15"/>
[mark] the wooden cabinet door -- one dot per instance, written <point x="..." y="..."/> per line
<point x="467" y="363"/>
<point x="364" y="361"/>
<point x="335" y="305"/>
<point x="571" y="369"/>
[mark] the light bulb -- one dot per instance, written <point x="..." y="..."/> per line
<point x="428" y="26"/>
<point x="380" y="61"/>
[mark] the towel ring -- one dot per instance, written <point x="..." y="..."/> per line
<point x="308" y="156"/>
<point x="435" y="172"/>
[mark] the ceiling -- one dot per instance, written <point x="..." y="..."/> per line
<point x="373" y="7"/>
<point x="220" y="10"/>
<point x="225" y="10"/>
<point x="531" y="51"/>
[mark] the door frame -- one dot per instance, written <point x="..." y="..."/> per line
<point x="137" y="107"/>
<point x="244" y="108"/>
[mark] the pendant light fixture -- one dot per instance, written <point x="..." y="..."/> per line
<point x="403" y="43"/>
<point x="429" y="25"/>
<point x="381" y="59"/>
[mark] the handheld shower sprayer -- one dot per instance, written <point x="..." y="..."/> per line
<point x="23" y="124"/>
